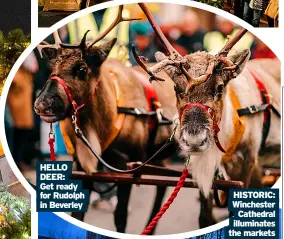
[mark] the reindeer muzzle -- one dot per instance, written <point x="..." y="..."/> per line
<point x="212" y="115"/>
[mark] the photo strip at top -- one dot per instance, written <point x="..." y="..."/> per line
<point x="258" y="13"/>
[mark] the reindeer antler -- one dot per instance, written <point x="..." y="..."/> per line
<point x="155" y="68"/>
<point x="225" y="50"/>
<point x="174" y="58"/>
<point x="58" y="43"/>
<point x="194" y="81"/>
<point x="119" y="18"/>
<point x="44" y="44"/>
<point x="172" y="51"/>
<point x="222" y="55"/>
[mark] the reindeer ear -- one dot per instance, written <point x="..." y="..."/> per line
<point x="240" y="58"/>
<point x="96" y="55"/>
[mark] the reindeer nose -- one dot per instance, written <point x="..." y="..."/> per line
<point x="43" y="106"/>
<point x="197" y="140"/>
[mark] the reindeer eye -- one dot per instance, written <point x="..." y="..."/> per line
<point x="178" y="93"/>
<point x="220" y="88"/>
<point x="219" y="91"/>
<point x="81" y="73"/>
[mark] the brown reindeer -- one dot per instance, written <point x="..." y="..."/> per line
<point x="204" y="84"/>
<point x="100" y="83"/>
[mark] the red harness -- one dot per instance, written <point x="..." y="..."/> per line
<point x="75" y="106"/>
<point x="264" y="96"/>
<point x="262" y="89"/>
<point x="211" y="112"/>
<point x="74" y="111"/>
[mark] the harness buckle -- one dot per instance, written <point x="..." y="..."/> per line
<point x="159" y="112"/>
<point x="252" y="109"/>
<point x="137" y="111"/>
<point x="186" y="162"/>
<point x="51" y="135"/>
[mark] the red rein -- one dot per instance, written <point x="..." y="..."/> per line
<point x="166" y="206"/>
<point x="51" y="144"/>
<point x="185" y="172"/>
<point x="211" y="112"/>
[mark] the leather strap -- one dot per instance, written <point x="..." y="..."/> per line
<point x="135" y="111"/>
<point x="252" y="109"/>
<point x="275" y="111"/>
<point x="264" y="96"/>
<point x="81" y="136"/>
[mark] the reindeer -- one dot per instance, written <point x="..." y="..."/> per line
<point x="203" y="84"/>
<point x="97" y="85"/>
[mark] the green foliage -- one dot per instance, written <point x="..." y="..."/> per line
<point x="214" y="3"/>
<point x="11" y="47"/>
<point x="17" y="216"/>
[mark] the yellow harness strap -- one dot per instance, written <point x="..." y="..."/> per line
<point x="120" y="117"/>
<point x="115" y="129"/>
<point x="1" y="150"/>
<point x="239" y="128"/>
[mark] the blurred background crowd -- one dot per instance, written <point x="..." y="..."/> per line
<point x="255" y="12"/>
<point x="258" y="13"/>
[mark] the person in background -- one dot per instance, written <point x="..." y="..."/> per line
<point x="272" y="13"/>
<point x="215" y="40"/>
<point x="238" y="6"/>
<point x="144" y="37"/>
<point x="252" y="11"/>
<point x="20" y="103"/>
<point x="148" y="43"/>
<point x="191" y="37"/>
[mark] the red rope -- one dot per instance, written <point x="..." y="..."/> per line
<point x="165" y="207"/>
<point x="51" y="144"/>
<point x="51" y="149"/>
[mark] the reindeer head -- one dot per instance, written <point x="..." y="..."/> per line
<point x="74" y="73"/>
<point x="79" y="69"/>
<point x="200" y="83"/>
<point x="200" y="88"/>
